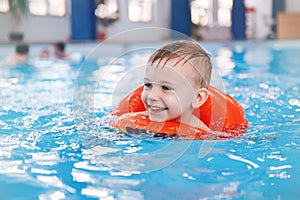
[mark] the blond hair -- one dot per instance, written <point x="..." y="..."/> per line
<point x="186" y="51"/>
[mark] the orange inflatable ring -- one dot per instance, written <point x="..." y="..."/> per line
<point x="221" y="113"/>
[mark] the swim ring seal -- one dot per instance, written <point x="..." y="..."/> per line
<point x="221" y="113"/>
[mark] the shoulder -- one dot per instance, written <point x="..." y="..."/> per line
<point x="197" y="123"/>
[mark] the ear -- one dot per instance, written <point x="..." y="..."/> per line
<point x="200" y="97"/>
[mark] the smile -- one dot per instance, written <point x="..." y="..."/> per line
<point x="156" y="108"/>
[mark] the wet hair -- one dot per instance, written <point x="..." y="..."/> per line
<point x="22" y="49"/>
<point x="60" y="46"/>
<point x="185" y="51"/>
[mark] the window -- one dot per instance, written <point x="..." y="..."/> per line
<point x="47" y="7"/>
<point x="140" y="10"/>
<point x="211" y="12"/>
<point x="224" y="13"/>
<point x="107" y="9"/>
<point x="4" y="6"/>
<point x="199" y="12"/>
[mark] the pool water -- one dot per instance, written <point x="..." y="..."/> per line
<point x="55" y="142"/>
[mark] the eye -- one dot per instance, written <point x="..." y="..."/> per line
<point x="164" y="87"/>
<point x="148" y="85"/>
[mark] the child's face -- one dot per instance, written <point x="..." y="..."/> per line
<point x="169" y="92"/>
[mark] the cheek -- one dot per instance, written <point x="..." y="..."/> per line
<point x="184" y="99"/>
<point x="172" y="102"/>
<point x="143" y="96"/>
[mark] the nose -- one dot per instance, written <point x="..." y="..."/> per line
<point x="153" y="93"/>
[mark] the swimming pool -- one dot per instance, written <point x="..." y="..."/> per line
<point x="55" y="143"/>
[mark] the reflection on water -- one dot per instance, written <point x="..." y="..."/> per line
<point x="56" y="143"/>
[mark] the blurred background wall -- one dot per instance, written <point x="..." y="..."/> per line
<point x="88" y="20"/>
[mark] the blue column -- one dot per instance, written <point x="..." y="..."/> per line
<point x="238" y="26"/>
<point x="277" y="6"/>
<point x="181" y="17"/>
<point x="83" y="20"/>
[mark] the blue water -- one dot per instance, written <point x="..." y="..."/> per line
<point x="55" y="142"/>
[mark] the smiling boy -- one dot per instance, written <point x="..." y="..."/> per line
<point x="176" y="82"/>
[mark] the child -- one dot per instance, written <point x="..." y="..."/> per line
<point x="177" y="99"/>
<point x="20" y="55"/>
<point x="45" y="54"/>
<point x="59" y="50"/>
<point x="176" y="82"/>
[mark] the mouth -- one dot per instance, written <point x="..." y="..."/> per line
<point x="157" y="108"/>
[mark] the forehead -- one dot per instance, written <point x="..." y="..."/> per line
<point x="172" y="69"/>
<point x="182" y="66"/>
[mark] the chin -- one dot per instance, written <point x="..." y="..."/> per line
<point x="157" y="119"/>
